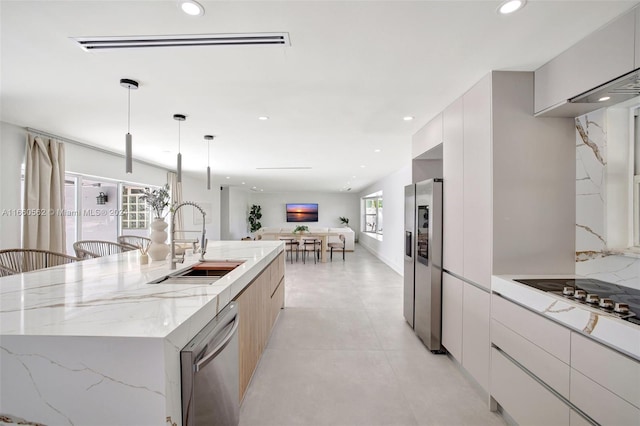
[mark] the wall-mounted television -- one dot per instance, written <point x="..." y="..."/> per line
<point x="302" y="212"/>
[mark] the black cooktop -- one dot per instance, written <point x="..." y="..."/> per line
<point x="603" y="289"/>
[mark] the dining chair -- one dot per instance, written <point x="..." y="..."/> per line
<point x="313" y="245"/>
<point x="15" y="261"/>
<point x="136" y="241"/>
<point x="88" y="249"/>
<point x="341" y="245"/>
<point x="289" y="245"/>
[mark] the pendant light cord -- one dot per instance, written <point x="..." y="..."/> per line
<point x="129" y="110"/>
<point x="178" y="136"/>
<point x="208" y="153"/>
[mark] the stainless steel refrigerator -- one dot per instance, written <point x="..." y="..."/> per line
<point x="423" y="261"/>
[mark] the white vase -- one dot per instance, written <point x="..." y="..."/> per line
<point x="158" y="249"/>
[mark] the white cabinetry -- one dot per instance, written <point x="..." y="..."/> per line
<point x="494" y="149"/>
<point x="475" y="333"/>
<point x="554" y="368"/>
<point x="532" y="404"/>
<point x="428" y="137"/>
<point x="604" y="384"/>
<point x="452" y="315"/>
<point x="477" y="183"/>
<point x="453" y="164"/>
<point x="598" y="58"/>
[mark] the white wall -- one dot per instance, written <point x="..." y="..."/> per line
<point x="86" y="161"/>
<point x="194" y="188"/>
<point x="390" y="249"/>
<point x="12" y="145"/>
<point x="234" y="213"/>
<point x="330" y="207"/>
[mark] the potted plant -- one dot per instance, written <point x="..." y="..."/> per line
<point x="301" y="229"/>
<point x="158" y="200"/>
<point x="255" y="214"/>
<point x="344" y="221"/>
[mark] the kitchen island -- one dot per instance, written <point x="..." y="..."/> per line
<point x="93" y="343"/>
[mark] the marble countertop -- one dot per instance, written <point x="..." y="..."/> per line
<point x="109" y="296"/>
<point x="602" y="327"/>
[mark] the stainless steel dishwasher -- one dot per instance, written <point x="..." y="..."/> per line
<point x="210" y="377"/>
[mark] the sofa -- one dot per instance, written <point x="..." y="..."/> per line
<point x="267" y="233"/>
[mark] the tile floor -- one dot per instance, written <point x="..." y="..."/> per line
<point x="342" y="354"/>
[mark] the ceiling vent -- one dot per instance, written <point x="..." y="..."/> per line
<point x="251" y="39"/>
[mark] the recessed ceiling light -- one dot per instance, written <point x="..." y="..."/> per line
<point x="263" y="118"/>
<point x="243" y="183"/>
<point x="376" y="150"/>
<point x="228" y="177"/>
<point x="353" y="177"/>
<point x="510" y="6"/>
<point x="191" y="7"/>
<point x="408" y="118"/>
<point x="362" y="166"/>
<point x="604" y="98"/>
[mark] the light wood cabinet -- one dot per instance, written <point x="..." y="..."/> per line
<point x="258" y="307"/>
<point x="452" y="315"/>
<point x="598" y="58"/>
<point x="453" y="188"/>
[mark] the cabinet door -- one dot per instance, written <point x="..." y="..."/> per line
<point x="476" y="343"/>
<point x="249" y="334"/>
<point x="527" y="401"/>
<point x="477" y="196"/>
<point x="427" y="137"/>
<point x="452" y="170"/>
<point x="452" y="315"/>
<point x="637" y="41"/>
<point x="602" y="56"/>
<point x="600" y="404"/>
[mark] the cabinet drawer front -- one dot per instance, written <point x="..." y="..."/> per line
<point x="548" y="368"/>
<point x="600" y="404"/>
<point x="551" y="337"/>
<point x="616" y="372"/>
<point x="527" y="401"/>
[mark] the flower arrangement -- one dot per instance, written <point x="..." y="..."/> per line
<point x="344" y="220"/>
<point x="300" y="229"/>
<point x="158" y="200"/>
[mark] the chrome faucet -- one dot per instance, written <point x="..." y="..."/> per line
<point x="203" y="241"/>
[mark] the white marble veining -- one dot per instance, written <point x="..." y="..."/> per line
<point x="93" y="343"/>
<point x="613" y="332"/>
<point x="594" y="258"/>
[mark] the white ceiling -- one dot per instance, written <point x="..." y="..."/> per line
<point x="338" y="93"/>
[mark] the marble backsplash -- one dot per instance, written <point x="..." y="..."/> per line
<point x="593" y="257"/>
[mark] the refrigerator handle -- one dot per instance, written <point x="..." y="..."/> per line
<point x="408" y="244"/>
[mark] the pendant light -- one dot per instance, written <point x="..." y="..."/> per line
<point x="179" y="118"/>
<point x="128" y="156"/>
<point x="208" y="138"/>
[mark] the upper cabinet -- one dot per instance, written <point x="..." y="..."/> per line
<point x="428" y="137"/>
<point x="598" y="58"/>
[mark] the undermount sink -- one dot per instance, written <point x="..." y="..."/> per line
<point x="206" y="272"/>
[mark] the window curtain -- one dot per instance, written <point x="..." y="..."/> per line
<point x="175" y="188"/>
<point x="44" y="195"/>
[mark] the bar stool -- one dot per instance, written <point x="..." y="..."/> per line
<point x="289" y="245"/>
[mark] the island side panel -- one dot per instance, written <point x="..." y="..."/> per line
<point x="60" y="380"/>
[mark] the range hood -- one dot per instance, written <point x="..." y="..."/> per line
<point x="613" y="92"/>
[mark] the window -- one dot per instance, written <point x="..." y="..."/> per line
<point x="135" y="212"/>
<point x="373" y="218"/>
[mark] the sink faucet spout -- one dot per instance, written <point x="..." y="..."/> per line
<point x="203" y="241"/>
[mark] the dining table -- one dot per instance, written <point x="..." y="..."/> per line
<point x="322" y="236"/>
